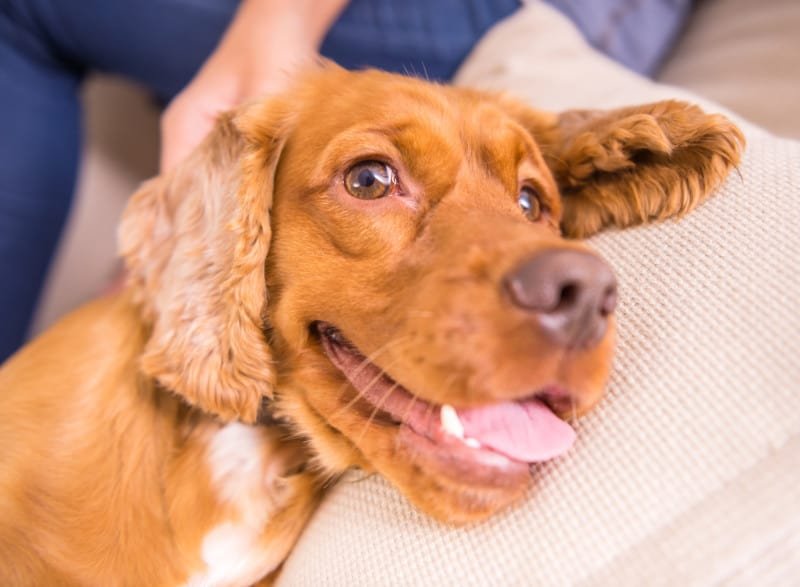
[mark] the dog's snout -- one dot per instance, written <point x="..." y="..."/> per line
<point x="570" y="293"/>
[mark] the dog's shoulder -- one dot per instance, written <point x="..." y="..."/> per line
<point x="95" y="457"/>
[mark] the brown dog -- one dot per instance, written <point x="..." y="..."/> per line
<point x="381" y="260"/>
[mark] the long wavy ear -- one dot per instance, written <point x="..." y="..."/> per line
<point x="633" y="165"/>
<point x="195" y="243"/>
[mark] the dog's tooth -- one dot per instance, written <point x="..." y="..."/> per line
<point x="450" y="422"/>
<point x="472" y="442"/>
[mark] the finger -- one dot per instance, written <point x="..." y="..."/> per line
<point x="182" y="129"/>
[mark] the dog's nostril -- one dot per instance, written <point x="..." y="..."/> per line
<point x="569" y="294"/>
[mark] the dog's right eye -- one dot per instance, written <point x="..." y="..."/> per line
<point x="369" y="180"/>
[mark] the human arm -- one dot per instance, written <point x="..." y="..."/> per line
<point x="266" y="41"/>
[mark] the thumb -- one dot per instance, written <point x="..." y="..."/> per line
<point x="183" y="127"/>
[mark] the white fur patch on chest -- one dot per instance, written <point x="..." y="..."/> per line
<point x="244" y="477"/>
<point x="232" y="556"/>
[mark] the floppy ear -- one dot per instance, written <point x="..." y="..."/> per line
<point x="633" y="165"/>
<point x="195" y="243"/>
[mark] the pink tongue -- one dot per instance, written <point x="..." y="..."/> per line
<point x="527" y="431"/>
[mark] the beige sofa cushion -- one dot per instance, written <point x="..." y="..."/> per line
<point x="746" y="56"/>
<point x="687" y="473"/>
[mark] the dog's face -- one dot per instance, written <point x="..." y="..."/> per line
<point x="402" y="230"/>
<point x="415" y="309"/>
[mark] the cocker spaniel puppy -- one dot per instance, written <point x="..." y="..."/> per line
<point x="369" y="271"/>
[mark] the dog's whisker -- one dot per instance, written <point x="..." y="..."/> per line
<point x="359" y="393"/>
<point x="363" y="392"/>
<point x="409" y="408"/>
<point x="374" y="355"/>
<point x="428" y="413"/>
<point x="366" y="362"/>
<point x="364" y="477"/>
<point x="375" y="410"/>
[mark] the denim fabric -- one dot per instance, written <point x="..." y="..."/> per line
<point x="46" y="47"/>
<point x="426" y="38"/>
<point x="39" y="146"/>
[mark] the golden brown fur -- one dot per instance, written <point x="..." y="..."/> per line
<point x="106" y="419"/>
<point x="103" y="475"/>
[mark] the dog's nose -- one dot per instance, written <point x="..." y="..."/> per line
<point x="570" y="293"/>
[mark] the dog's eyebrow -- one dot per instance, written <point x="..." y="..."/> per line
<point x="501" y="152"/>
<point x="510" y="154"/>
<point x="350" y="145"/>
<point x="427" y="151"/>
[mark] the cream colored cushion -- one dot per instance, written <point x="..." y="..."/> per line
<point x="688" y="473"/>
<point x="745" y="55"/>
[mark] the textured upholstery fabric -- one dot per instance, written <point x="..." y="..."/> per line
<point x="687" y="473"/>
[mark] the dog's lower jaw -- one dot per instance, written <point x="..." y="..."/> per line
<point x="331" y="453"/>
<point x="441" y="496"/>
<point x="438" y="491"/>
<point x="461" y="504"/>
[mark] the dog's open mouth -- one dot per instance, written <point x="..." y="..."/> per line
<point x="499" y="435"/>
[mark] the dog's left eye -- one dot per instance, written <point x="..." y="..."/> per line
<point x="369" y="180"/>
<point x="530" y="203"/>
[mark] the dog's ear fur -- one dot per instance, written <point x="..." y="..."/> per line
<point x="632" y="165"/>
<point x="195" y="243"/>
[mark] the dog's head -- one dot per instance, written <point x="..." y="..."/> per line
<point x="384" y="259"/>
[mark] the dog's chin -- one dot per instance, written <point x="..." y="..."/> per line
<point x="454" y="484"/>
<point x="457" y="464"/>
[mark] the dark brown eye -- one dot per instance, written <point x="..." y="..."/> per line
<point x="369" y="180"/>
<point x="530" y="203"/>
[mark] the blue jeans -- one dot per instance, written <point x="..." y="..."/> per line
<point x="47" y="47"/>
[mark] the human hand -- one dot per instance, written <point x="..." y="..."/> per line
<point x="265" y="43"/>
